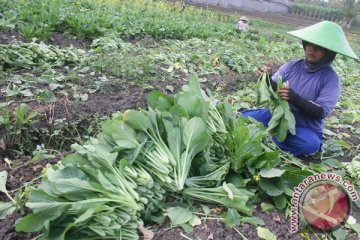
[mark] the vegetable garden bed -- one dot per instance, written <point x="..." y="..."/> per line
<point x="63" y="91"/>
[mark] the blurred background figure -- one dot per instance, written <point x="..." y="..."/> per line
<point x="243" y="24"/>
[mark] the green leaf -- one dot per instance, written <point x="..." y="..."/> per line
<point x="264" y="160"/>
<point x="21" y="110"/>
<point x="47" y="96"/>
<point x="160" y="101"/>
<point x="206" y="209"/>
<point x="270" y="173"/>
<point x="266" y="207"/>
<point x="12" y="92"/>
<point x="280" y="201"/>
<point x="193" y="105"/>
<point x="3" y="179"/>
<point x="355" y="227"/>
<point x="262" y="90"/>
<point x="53" y="86"/>
<point x="173" y="139"/>
<point x="123" y="135"/>
<point x="347" y="117"/>
<point x="105" y="183"/>
<point x="272" y="186"/>
<point x="179" y="215"/>
<point x="252" y="220"/>
<point x="186" y="227"/>
<point x="228" y="190"/>
<point x="6" y="208"/>
<point x="32" y="222"/>
<point x="282" y="119"/>
<point x="194" y="85"/>
<point x="209" y="180"/>
<point x="219" y="195"/>
<point x="41" y="154"/>
<point x="137" y="120"/>
<point x="236" y="179"/>
<point x="85" y="216"/>
<point x="74" y="158"/>
<point x="32" y="115"/>
<point x="264" y="233"/>
<point x="295" y="175"/>
<point x="178" y="112"/>
<point x="195" y="137"/>
<point x="340" y="234"/>
<point x="195" y="221"/>
<point x="69" y="180"/>
<point x="232" y="218"/>
<point x="247" y="153"/>
<point x="332" y="162"/>
<point x="242" y="134"/>
<point x="36" y="221"/>
<point x="157" y="217"/>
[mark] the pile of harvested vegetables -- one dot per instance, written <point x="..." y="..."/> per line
<point x="188" y="145"/>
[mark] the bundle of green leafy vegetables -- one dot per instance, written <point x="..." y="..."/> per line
<point x="282" y="119"/>
<point x="188" y="144"/>
<point x="90" y="194"/>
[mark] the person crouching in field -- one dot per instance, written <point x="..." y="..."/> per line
<point x="313" y="86"/>
<point x="243" y="24"/>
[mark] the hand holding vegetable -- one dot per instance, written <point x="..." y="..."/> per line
<point x="282" y="119"/>
<point x="307" y="107"/>
<point x="284" y="92"/>
<point x="263" y="69"/>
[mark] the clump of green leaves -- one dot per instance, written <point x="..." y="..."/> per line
<point x="282" y="119"/>
<point x="30" y="55"/>
<point x="16" y="124"/>
<point x="8" y="207"/>
<point x="227" y="195"/>
<point x="184" y="144"/>
<point x="235" y="62"/>
<point x="103" y="188"/>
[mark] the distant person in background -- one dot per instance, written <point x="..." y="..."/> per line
<point x="243" y="24"/>
<point x="313" y="86"/>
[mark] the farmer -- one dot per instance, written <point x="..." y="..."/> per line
<point x="243" y="24"/>
<point x="314" y="87"/>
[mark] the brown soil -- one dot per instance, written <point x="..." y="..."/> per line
<point x="216" y="229"/>
<point x="59" y="40"/>
<point x="8" y="37"/>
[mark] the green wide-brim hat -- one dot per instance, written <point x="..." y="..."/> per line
<point x="328" y="35"/>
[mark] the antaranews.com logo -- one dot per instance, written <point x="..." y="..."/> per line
<point x="323" y="200"/>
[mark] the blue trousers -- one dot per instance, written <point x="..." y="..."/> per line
<point x="305" y="142"/>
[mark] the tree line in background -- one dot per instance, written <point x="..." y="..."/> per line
<point x="344" y="12"/>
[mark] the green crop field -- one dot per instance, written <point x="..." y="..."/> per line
<point x="118" y="121"/>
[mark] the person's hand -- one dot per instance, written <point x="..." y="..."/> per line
<point x="263" y="69"/>
<point x="284" y="92"/>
